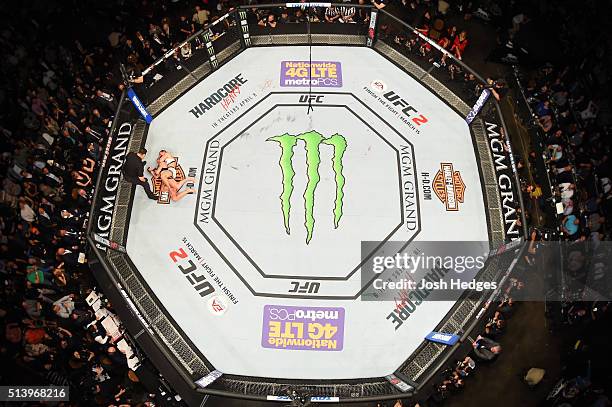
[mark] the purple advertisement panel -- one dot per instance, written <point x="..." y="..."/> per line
<point x="303" y="328"/>
<point x="323" y="74"/>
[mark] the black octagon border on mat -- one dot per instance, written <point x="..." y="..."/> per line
<point x="229" y="263"/>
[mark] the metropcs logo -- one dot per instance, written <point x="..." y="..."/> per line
<point x="449" y="187"/>
<point x="320" y="74"/>
<point x="312" y="142"/>
<point x="303" y="328"/>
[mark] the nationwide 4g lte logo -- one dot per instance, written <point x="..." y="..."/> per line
<point x="322" y="74"/>
<point x="312" y="141"/>
<point x="303" y="328"/>
<point x="449" y="187"/>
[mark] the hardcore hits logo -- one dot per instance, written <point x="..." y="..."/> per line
<point x="224" y="94"/>
<point x="312" y="142"/>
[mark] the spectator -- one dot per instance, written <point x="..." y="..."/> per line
<point x="486" y="348"/>
<point x="186" y="27"/>
<point x="332" y="14"/>
<point x="570" y="226"/>
<point x="379" y="4"/>
<point x="64" y="306"/>
<point x="347" y="14"/>
<point x="284" y="17"/>
<point x="268" y="21"/>
<point x="27" y="213"/>
<point x="362" y="15"/>
<point x="499" y="89"/>
<point x="459" y="44"/>
<point x="200" y="17"/>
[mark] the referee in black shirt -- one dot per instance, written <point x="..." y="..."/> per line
<point x="133" y="171"/>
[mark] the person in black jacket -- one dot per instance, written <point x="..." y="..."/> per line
<point x="133" y="171"/>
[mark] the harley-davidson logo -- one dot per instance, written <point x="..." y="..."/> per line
<point x="449" y="187"/>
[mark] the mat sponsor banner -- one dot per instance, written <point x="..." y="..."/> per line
<point x="399" y="383"/>
<point x="303" y="328"/>
<point x="443" y="338"/>
<point x="209" y="379"/>
<point x="506" y="181"/>
<point x="323" y="74"/>
<point x="313" y="399"/>
<point x="139" y="106"/>
<point x="484" y="96"/>
<point x="372" y="28"/>
<point x="449" y="187"/>
<point x="303" y="5"/>
<point x="226" y="95"/>
<point x="108" y="243"/>
<point x="110" y="176"/>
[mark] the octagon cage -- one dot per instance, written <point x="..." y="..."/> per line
<point x="181" y="68"/>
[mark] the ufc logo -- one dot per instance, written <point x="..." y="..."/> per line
<point x="408" y="110"/>
<point x="306" y="288"/>
<point x="311" y="98"/>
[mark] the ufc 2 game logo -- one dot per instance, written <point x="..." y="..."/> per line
<point x="405" y="107"/>
<point x="312" y="141"/>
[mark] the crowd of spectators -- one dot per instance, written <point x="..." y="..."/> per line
<point x="443" y="26"/>
<point x="63" y="100"/>
<point x="485" y="348"/>
<point x="346" y="13"/>
<point x="577" y="152"/>
<point x="151" y="36"/>
<point x="568" y="104"/>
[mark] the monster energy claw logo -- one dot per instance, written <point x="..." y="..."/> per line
<point x="312" y="140"/>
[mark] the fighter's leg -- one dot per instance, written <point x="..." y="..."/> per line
<point x="183" y="182"/>
<point x="177" y="196"/>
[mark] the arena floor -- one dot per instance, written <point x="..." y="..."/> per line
<point x="261" y="266"/>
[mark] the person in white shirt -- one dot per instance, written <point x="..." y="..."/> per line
<point x="567" y="190"/>
<point x="64" y="306"/>
<point x="347" y="13"/>
<point x="26" y="211"/>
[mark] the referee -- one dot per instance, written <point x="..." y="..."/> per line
<point x="133" y="171"/>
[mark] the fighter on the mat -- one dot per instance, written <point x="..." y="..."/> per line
<point x="164" y="159"/>
<point x="166" y="171"/>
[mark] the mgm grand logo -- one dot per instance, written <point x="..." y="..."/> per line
<point x="449" y="187"/>
<point x="162" y="190"/>
<point x="312" y="141"/>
